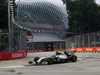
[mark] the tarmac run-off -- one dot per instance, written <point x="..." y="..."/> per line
<point x="88" y="64"/>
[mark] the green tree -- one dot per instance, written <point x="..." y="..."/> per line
<point x="83" y="16"/>
<point x="4" y="13"/>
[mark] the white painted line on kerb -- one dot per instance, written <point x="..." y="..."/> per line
<point x="12" y="66"/>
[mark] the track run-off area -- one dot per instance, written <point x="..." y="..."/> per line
<point x="87" y="64"/>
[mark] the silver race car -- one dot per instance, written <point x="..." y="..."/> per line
<point x="58" y="57"/>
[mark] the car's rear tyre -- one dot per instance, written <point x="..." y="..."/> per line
<point x="73" y="58"/>
<point x="36" y="58"/>
<point x="50" y="61"/>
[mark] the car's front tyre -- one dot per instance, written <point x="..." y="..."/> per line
<point x="36" y="59"/>
<point x="30" y="62"/>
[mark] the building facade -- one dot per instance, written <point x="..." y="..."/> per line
<point x="47" y="20"/>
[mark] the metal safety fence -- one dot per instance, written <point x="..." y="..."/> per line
<point x="84" y="40"/>
<point x="18" y="41"/>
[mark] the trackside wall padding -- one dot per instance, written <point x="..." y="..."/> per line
<point x="12" y="55"/>
<point x="86" y="49"/>
<point x="32" y="51"/>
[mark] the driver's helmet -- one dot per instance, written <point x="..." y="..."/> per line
<point x="66" y="52"/>
<point x="56" y="52"/>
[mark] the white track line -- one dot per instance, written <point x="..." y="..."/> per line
<point x="12" y="66"/>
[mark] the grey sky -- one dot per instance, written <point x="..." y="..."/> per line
<point x="98" y="1"/>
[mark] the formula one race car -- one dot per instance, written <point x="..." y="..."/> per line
<point x="58" y="57"/>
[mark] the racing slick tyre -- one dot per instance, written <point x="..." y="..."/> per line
<point x="36" y="58"/>
<point x="30" y="62"/>
<point x="50" y="61"/>
<point x="73" y="58"/>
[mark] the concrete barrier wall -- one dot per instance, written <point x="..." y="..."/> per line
<point x="12" y="55"/>
<point x="85" y="49"/>
<point x="32" y="51"/>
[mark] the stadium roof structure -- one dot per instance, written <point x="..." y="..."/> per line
<point x="42" y="11"/>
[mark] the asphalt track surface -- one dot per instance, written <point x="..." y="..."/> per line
<point x="84" y="66"/>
